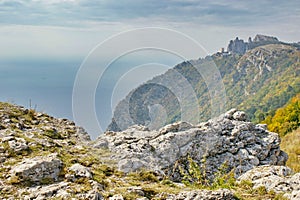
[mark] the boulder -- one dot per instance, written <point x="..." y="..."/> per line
<point x="57" y="190"/>
<point x="61" y="190"/>
<point x="38" y="169"/>
<point x="18" y="145"/>
<point x="222" y="194"/>
<point x="116" y="197"/>
<point x="80" y="171"/>
<point x="226" y="140"/>
<point x="91" y="195"/>
<point x="276" y="178"/>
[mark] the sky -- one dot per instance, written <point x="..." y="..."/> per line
<point x="71" y="28"/>
<point x="43" y="43"/>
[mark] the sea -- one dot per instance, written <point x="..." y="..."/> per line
<point x="46" y="85"/>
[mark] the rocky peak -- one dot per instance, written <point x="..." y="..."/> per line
<point x="237" y="46"/>
<point x="265" y="38"/>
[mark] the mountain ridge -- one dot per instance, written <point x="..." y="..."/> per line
<point x="248" y="79"/>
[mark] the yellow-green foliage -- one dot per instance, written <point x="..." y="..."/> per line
<point x="143" y="176"/>
<point x="223" y="179"/>
<point x="286" y="119"/>
<point x="245" y="191"/>
<point x="290" y="143"/>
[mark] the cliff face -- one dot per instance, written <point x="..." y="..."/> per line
<point x="264" y="38"/>
<point x="237" y="46"/>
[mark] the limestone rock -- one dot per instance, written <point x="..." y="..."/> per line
<point x="116" y="197"/>
<point x="54" y="190"/>
<point x="264" y="38"/>
<point x="228" y="139"/>
<point x="276" y="178"/>
<point x="294" y="195"/>
<point x="131" y="165"/>
<point x="222" y="194"/>
<point x="18" y="145"/>
<point x="38" y="169"/>
<point x="237" y="46"/>
<point x="80" y="171"/>
<point x="137" y="190"/>
<point x="175" y="127"/>
<point x="61" y="190"/>
<point x="240" y="116"/>
<point x="91" y="195"/>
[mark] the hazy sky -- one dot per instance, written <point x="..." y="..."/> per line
<point x="43" y="42"/>
<point x="71" y="28"/>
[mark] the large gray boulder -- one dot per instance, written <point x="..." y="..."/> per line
<point x="60" y="190"/>
<point x="38" y="169"/>
<point x="226" y="140"/>
<point x="57" y="190"/>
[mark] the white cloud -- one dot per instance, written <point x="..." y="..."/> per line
<point x="43" y="26"/>
<point x="55" y="1"/>
<point x="76" y="12"/>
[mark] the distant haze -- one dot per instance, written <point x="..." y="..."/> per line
<point x="43" y="43"/>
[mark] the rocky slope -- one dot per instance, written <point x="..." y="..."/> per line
<point x="47" y="158"/>
<point x="37" y="153"/>
<point x="258" y="81"/>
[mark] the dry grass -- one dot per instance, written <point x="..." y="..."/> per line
<point x="290" y="143"/>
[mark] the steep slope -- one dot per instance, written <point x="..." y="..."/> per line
<point x="259" y="81"/>
<point x="39" y="153"/>
<point x="264" y="79"/>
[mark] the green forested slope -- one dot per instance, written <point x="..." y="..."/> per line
<point x="262" y="80"/>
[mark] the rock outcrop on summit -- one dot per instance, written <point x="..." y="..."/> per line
<point x="265" y="38"/>
<point x="237" y="46"/>
<point x="228" y="140"/>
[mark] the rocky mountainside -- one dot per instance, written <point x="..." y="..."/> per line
<point x="42" y="157"/>
<point x="39" y="154"/>
<point x="259" y="76"/>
